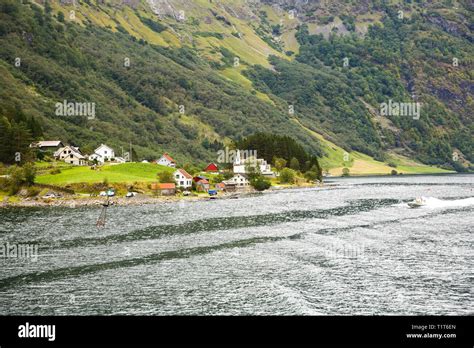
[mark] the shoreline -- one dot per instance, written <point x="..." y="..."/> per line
<point x="75" y="201"/>
<point x="71" y="201"/>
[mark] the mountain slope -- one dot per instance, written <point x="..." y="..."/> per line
<point x="189" y="77"/>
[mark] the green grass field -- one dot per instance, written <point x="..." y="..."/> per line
<point x="120" y="173"/>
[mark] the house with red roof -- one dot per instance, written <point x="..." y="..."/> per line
<point x="220" y="186"/>
<point x="183" y="178"/>
<point x="167" y="160"/>
<point x="167" y="189"/>
<point x="202" y="185"/>
<point x="212" y="168"/>
<point x="199" y="178"/>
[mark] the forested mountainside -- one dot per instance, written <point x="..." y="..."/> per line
<point x="190" y="77"/>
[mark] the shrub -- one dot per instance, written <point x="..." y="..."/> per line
<point x="55" y="171"/>
<point x="61" y="17"/>
<point x="311" y="176"/>
<point x="260" y="183"/>
<point x="165" y="177"/>
<point x="228" y="175"/>
<point x="345" y="171"/>
<point x="15" y="180"/>
<point x="287" y="176"/>
<point x="32" y="191"/>
<point x="394" y="172"/>
<point x="29" y="173"/>
<point x="4" y="184"/>
<point x="215" y="179"/>
<point x="295" y="164"/>
<point x="279" y="163"/>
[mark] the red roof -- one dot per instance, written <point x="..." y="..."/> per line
<point x="166" y="186"/>
<point x="203" y="181"/>
<point x="185" y="173"/>
<point x="212" y="167"/>
<point x="168" y="157"/>
<point x="198" y="178"/>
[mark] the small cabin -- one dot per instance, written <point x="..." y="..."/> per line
<point x="212" y="168"/>
<point x="166" y="189"/>
<point x="202" y="185"/>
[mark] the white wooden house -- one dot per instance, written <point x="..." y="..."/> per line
<point x="71" y="155"/>
<point x="241" y="162"/>
<point x="240" y="180"/>
<point x="183" y="178"/>
<point x="102" y="154"/>
<point x="167" y="160"/>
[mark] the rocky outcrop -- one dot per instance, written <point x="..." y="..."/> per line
<point x="450" y="27"/>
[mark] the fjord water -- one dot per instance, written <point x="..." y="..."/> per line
<point x="351" y="247"/>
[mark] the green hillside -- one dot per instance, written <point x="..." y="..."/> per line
<point x="191" y="77"/>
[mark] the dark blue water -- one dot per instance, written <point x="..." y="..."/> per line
<point x="353" y="247"/>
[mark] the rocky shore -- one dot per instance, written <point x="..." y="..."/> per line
<point x="73" y="201"/>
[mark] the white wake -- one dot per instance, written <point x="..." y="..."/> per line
<point x="432" y="202"/>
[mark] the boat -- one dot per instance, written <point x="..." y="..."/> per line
<point x="418" y="202"/>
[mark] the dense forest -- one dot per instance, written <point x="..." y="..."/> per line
<point x="386" y="63"/>
<point x="383" y="65"/>
<point x="273" y="148"/>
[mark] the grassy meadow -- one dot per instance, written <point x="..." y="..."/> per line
<point x="119" y="173"/>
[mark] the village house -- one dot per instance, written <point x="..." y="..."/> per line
<point x="220" y="186"/>
<point x="102" y="154"/>
<point x="120" y="160"/>
<point x="71" y="155"/>
<point x="165" y="189"/>
<point x="183" y="178"/>
<point x="212" y="168"/>
<point x="199" y="178"/>
<point x="167" y="160"/>
<point x="240" y="180"/>
<point x="47" y="145"/>
<point x="240" y="162"/>
<point x="229" y="186"/>
<point x="202" y="185"/>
